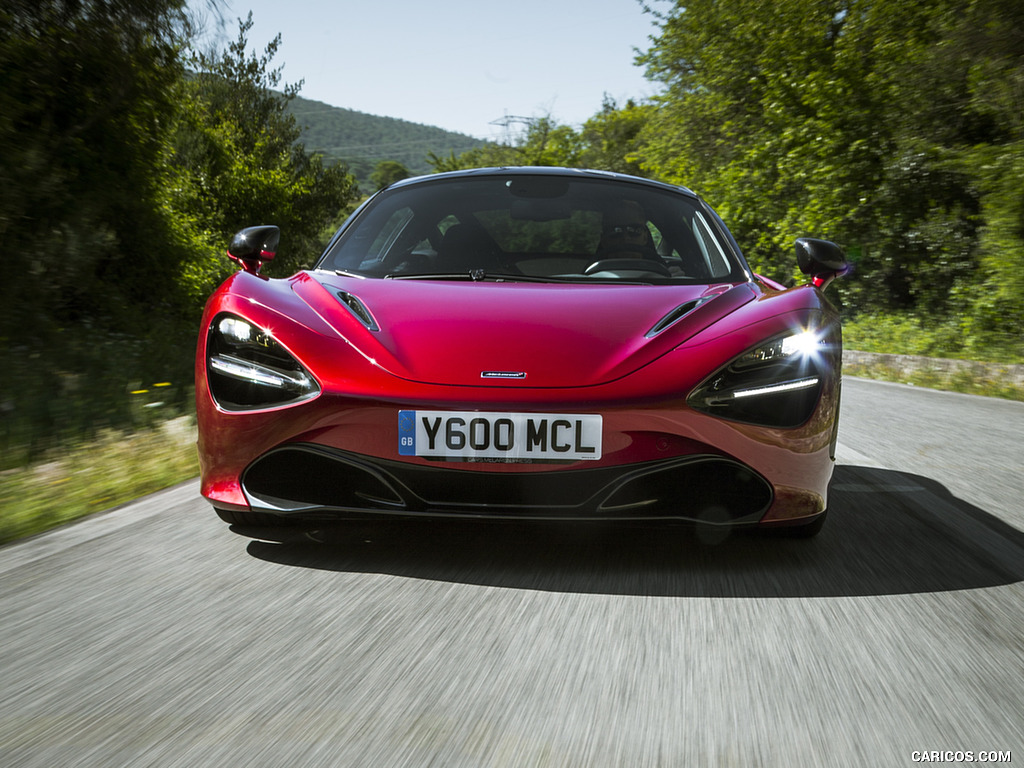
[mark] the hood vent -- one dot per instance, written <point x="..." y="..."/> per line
<point x="358" y="310"/>
<point x="675" y="316"/>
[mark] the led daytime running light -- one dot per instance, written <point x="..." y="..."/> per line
<point x="245" y="370"/>
<point x="774" y="389"/>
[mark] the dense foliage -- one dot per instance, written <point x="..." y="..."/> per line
<point x="86" y="91"/>
<point x="892" y="128"/>
<point x="126" y="162"/>
<point x="608" y="141"/>
<point x="236" y="160"/>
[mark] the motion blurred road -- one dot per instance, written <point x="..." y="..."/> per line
<point x="154" y="636"/>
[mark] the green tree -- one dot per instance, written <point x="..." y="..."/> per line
<point x="610" y="140"/>
<point x="747" y="117"/>
<point x="993" y="156"/>
<point x="891" y="128"/>
<point x="121" y="181"/>
<point x="237" y="162"/>
<point x="544" y="142"/>
<point x="86" y="99"/>
<point x="388" y="172"/>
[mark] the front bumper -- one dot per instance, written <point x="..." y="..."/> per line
<point x="315" y="481"/>
<point x="335" y="458"/>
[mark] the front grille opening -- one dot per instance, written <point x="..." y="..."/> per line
<point x="440" y="487"/>
<point x="297" y="478"/>
<point x="711" y="490"/>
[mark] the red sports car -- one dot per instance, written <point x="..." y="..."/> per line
<point x="524" y="344"/>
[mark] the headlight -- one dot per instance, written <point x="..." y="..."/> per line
<point x="248" y="370"/>
<point x="775" y="384"/>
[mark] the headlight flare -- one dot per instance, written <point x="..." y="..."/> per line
<point x="235" y="328"/>
<point x="240" y="331"/>
<point x="804" y="344"/>
<point x="807" y="343"/>
<point x="776" y="383"/>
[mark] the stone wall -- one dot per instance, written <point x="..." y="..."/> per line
<point x="943" y="370"/>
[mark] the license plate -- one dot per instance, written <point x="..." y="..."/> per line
<point x="475" y="436"/>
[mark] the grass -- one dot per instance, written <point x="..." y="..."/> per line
<point x="896" y="334"/>
<point x="83" y="479"/>
<point x="983" y="381"/>
<point x="948" y="363"/>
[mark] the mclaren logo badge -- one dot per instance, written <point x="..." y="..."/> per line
<point x="503" y="374"/>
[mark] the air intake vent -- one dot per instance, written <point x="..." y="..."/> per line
<point x="359" y="310"/>
<point x="675" y="315"/>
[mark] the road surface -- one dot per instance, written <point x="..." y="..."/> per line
<point x="154" y="636"/>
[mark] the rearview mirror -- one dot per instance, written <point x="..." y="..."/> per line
<point x="821" y="259"/>
<point x="540" y="210"/>
<point x="254" y="245"/>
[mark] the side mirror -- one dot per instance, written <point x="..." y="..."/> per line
<point x="821" y="259"/>
<point x="254" y="245"/>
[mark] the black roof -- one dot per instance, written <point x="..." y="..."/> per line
<point x="542" y="171"/>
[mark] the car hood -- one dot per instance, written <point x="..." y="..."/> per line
<point x="514" y="334"/>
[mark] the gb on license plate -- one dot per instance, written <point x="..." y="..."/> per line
<point x="471" y="435"/>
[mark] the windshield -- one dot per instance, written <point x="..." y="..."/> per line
<point x="543" y="227"/>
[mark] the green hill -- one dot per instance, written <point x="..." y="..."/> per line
<point x="361" y="140"/>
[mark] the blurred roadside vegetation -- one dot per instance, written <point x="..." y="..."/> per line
<point x="77" y="480"/>
<point x="127" y="160"/>
<point x="128" y="157"/>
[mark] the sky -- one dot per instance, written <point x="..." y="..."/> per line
<point x="461" y="65"/>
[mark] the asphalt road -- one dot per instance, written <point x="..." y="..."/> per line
<point x="153" y="636"/>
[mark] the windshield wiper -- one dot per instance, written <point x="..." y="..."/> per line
<point x="479" y="275"/>
<point x="428" y="276"/>
<point x="476" y="275"/>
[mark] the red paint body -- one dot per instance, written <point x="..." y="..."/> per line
<point x="582" y="347"/>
